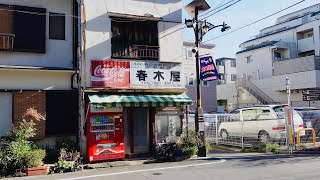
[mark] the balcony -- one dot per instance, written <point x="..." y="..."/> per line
<point x="6" y="41"/>
<point x="306" y="44"/>
<point x="138" y="52"/>
<point x="308" y="63"/>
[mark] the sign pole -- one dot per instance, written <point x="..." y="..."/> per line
<point x="289" y="120"/>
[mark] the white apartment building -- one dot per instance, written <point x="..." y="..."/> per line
<point x="228" y="97"/>
<point x="290" y="48"/>
<point x="38" y="62"/>
<point x="208" y="88"/>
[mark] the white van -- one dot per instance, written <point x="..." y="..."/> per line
<point x="264" y="122"/>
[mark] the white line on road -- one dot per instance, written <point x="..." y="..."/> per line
<point x="145" y="170"/>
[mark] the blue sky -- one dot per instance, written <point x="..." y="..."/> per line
<point x="240" y="14"/>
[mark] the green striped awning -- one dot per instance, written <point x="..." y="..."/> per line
<point x="140" y="100"/>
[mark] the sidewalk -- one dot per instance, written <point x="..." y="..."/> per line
<point x="136" y="161"/>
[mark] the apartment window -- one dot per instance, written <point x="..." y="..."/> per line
<point x="57" y="24"/>
<point x="205" y="83"/>
<point x="134" y="39"/>
<point x="220" y="63"/>
<point x="310" y="34"/>
<point x="249" y="59"/>
<point x="233" y="77"/>
<point x="189" y="54"/>
<point x="233" y="63"/>
<point x="20" y="31"/>
<point x="190" y="81"/>
<point x="221" y="76"/>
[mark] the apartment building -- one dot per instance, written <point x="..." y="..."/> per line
<point x="132" y="63"/>
<point x="290" y="48"/>
<point x="208" y="88"/>
<point x="38" y="62"/>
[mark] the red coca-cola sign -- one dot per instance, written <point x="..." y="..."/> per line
<point x="110" y="74"/>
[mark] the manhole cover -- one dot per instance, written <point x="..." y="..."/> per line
<point x="157" y="174"/>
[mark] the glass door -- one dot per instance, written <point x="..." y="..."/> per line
<point x="141" y="130"/>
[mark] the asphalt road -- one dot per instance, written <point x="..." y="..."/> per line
<point x="227" y="166"/>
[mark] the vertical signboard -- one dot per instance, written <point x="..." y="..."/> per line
<point x="110" y="74"/>
<point x="208" y="71"/>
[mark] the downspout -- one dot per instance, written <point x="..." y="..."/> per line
<point x="75" y="39"/>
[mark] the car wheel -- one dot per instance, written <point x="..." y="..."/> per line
<point x="224" y="134"/>
<point x="263" y="137"/>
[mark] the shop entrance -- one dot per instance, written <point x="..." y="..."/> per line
<point x="140" y="117"/>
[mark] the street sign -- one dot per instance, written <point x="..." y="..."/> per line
<point x="311" y="92"/>
<point x="311" y="97"/>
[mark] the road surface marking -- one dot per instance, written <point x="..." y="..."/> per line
<point x="146" y="170"/>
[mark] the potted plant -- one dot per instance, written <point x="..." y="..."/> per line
<point x="34" y="162"/>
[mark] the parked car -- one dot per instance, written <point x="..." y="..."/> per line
<point x="311" y="119"/>
<point x="303" y="109"/>
<point x="263" y="122"/>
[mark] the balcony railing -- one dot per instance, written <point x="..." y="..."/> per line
<point x="303" y="64"/>
<point x="139" y="52"/>
<point x="6" y="41"/>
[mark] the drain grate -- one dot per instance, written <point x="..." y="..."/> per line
<point x="157" y="174"/>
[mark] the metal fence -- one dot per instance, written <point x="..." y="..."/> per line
<point x="250" y="130"/>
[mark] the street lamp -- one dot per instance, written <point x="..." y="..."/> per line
<point x="200" y="28"/>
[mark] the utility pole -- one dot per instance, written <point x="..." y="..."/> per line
<point x="200" y="29"/>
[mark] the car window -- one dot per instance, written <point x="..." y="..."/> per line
<point x="249" y="114"/>
<point x="264" y="114"/>
<point x="280" y="111"/>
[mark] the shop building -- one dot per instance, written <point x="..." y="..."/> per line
<point x="132" y="80"/>
<point x="38" y="65"/>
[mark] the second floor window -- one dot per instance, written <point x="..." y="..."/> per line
<point x="219" y="63"/>
<point x="20" y="31"/>
<point x="249" y="59"/>
<point x="57" y="26"/>
<point x="189" y="54"/>
<point x="233" y="64"/>
<point x="135" y="39"/>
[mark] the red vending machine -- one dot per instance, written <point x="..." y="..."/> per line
<point x="105" y="133"/>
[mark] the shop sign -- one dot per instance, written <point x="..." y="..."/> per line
<point x="98" y="108"/>
<point x="208" y="71"/>
<point x="110" y="74"/>
<point x="156" y="75"/>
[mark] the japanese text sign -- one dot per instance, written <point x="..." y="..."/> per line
<point x="155" y="75"/>
<point x="208" y="71"/>
<point x="110" y="74"/>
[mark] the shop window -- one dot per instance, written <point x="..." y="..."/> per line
<point x="168" y="126"/>
<point x="57" y="26"/>
<point x="61" y="111"/>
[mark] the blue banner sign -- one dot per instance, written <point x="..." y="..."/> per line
<point x="208" y="71"/>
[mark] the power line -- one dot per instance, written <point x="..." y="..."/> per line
<point x="217" y="7"/>
<point x="255" y="21"/>
<point x="222" y="9"/>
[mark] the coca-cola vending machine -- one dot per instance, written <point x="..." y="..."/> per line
<point x="105" y="133"/>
